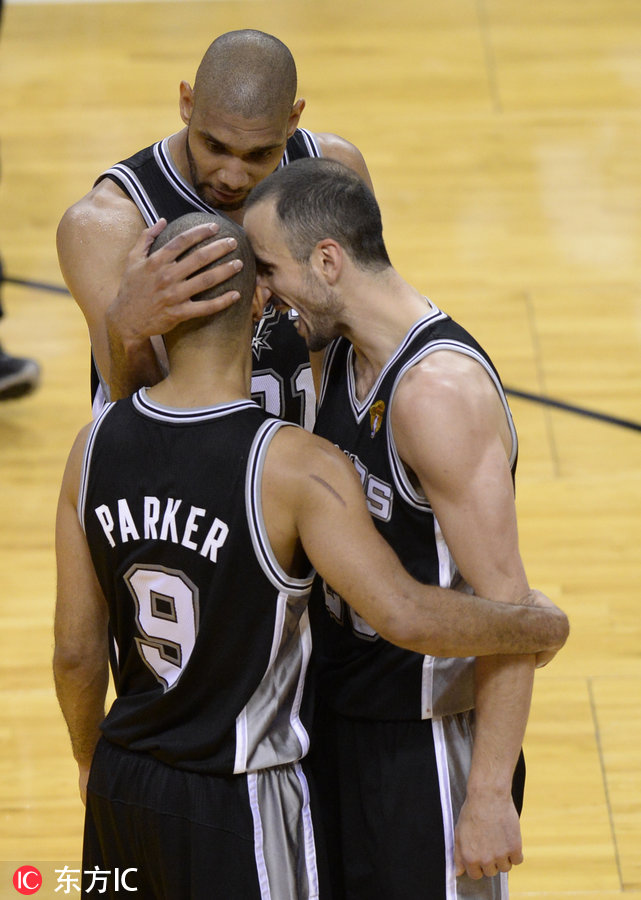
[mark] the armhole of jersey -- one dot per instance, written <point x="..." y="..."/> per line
<point x="101" y="397"/>
<point x="311" y="143"/>
<point x="401" y="479"/>
<point x="86" y="464"/>
<point x="311" y="146"/>
<point x="254" y="507"/>
<point x="131" y="185"/>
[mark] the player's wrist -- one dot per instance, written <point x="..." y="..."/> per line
<point x="486" y="791"/>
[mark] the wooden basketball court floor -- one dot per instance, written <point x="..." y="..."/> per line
<point x="504" y="141"/>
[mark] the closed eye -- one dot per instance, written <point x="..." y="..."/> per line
<point x="264" y="268"/>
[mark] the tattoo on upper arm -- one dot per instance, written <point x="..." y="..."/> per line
<point x="329" y="488"/>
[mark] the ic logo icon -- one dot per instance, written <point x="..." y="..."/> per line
<point x="27" y="880"/>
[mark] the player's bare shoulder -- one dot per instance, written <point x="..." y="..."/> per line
<point x="105" y="207"/>
<point x="296" y="452"/>
<point x="93" y="239"/>
<point x="335" y="147"/>
<point x="451" y="397"/>
<point x="446" y="378"/>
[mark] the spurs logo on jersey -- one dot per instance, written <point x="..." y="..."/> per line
<point x="379" y="495"/>
<point x="264" y="328"/>
<point x="282" y="381"/>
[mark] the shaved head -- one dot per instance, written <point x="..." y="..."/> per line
<point x="244" y="281"/>
<point x="247" y="72"/>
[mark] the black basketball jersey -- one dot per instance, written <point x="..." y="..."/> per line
<point x="360" y="673"/>
<point x="282" y="382"/>
<point x="212" y="636"/>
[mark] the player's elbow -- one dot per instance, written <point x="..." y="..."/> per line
<point x="68" y="659"/>
<point x="79" y="658"/>
<point x="421" y="639"/>
<point x="399" y="624"/>
<point x="561" y="630"/>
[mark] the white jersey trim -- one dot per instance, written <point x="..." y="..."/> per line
<point x="305" y="635"/>
<point x="186" y="415"/>
<point x="86" y="463"/>
<point x="259" y="846"/>
<point x="311" y="145"/>
<point x="440" y="749"/>
<point x="174" y="178"/>
<point x="427" y="687"/>
<point x="309" y="842"/>
<point x="136" y="191"/>
<point x="401" y="480"/>
<point x="265" y="555"/>
<point x="361" y="408"/>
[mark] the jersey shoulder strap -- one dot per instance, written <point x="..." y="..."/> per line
<point x="301" y="145"/>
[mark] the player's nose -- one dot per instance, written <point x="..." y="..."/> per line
<point x="234" y="175"/>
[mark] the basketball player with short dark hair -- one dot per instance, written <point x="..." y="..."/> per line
<point x="422" y="744"/>
<point x="188" y="524"/>
<point x="240" y="123"/>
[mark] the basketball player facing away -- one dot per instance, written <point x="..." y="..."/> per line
<point x="416" y="403"/>
<point x="187" y="526"/>
<point x="240" y="123"/>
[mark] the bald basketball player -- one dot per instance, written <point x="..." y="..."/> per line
<point x="240" y="123"/>
<point x="188" y="519"/>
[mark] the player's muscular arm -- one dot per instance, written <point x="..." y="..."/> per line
<point x="312" y="495"/>
<point x="451" y="431"/>
<point x="94" y="238"/>
<point x="335" y="147"/>
<point x="127" y="296"/>
<point x="80" y="662"/>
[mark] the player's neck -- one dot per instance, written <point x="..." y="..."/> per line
<point x="178" y="152"/>
<point x="177" y="145"/>
<point x="200" y="379"/>
<point x="380" y="313"/>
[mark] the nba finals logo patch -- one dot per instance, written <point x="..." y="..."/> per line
<point x="376" y="412"/>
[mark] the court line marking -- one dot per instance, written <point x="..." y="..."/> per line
<point x="511" y="391"/>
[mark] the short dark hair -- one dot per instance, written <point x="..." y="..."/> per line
<point x="322" y="198"/>
<point x="243" y="281"/>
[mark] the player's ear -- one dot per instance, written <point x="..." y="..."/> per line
<point x="327" y="260"/>
<point x="186" y="102"/>
<point x="294" y="117"/>
<point x="259" y="301"/>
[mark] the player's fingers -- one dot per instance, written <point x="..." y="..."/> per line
<point x="210" y="278"/>
<point x="147" y="237"/>
<point x="459" y="863"/>
<point x="474" y="871"/>
<point x="188" y="239"/>
<point x="206" y="255"/>
<point x="516" y="858"/>
<point x="544" y="657"/>
<point x="209" y="307"/>
<point x="535" y="597"/>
